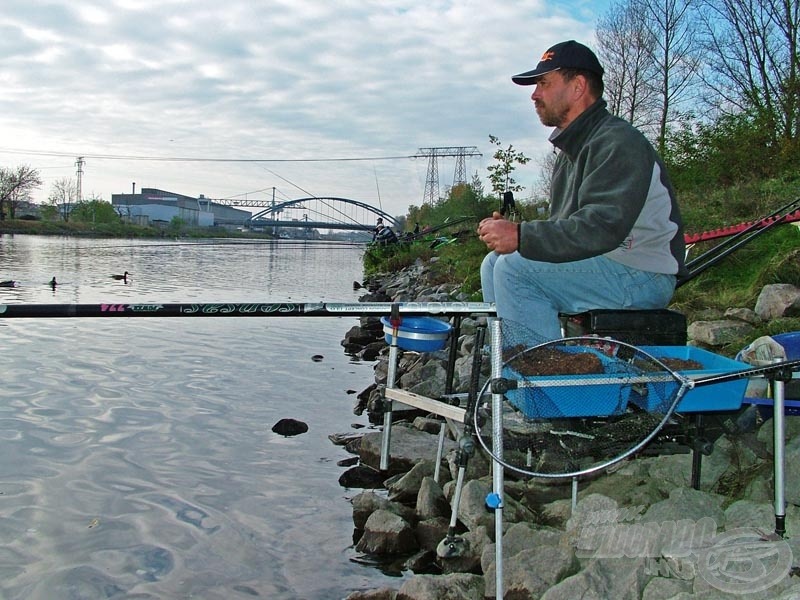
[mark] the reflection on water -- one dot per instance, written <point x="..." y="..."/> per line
<point x="138" y="456"/>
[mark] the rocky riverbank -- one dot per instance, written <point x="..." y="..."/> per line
<point x="639" y="531"/>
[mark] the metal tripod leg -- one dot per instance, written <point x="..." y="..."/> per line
<point x="387" y="403"/>
<point x="779" y="388"/>
<point x="453" y="545"/>
<point x="496" y="497"/>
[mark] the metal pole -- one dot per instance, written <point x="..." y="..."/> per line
<point x="439" y="452"/>
<point x="395" y="321"/>
<point x="574" y="495"/>
<point x="387" y="404"/>
<point x="779" y="389"/>
<point x="497" y="450"/>
<point x="697" y="456"/>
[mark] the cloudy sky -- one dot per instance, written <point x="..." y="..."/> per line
<point x="272" y="91"/>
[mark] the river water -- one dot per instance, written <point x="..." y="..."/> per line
<point x="138" y="459"/>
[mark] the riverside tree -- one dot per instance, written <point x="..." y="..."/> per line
<point x="500" y="172"/>
<point x="94" y="210"/>
<point x="17" y="185"/>
<point x="651" y="55"/>
<point x="63" y="194"/>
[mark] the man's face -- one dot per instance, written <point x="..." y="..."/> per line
<point x="551" y="99"/>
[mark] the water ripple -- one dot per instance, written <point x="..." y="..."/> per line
<point x="138" y="456"/>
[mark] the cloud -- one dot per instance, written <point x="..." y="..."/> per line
<point x="297" y="79"/>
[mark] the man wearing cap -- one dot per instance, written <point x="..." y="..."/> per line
<point x="614" y="238"/>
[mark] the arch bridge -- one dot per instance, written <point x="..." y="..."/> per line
<point x="316" y="213"/>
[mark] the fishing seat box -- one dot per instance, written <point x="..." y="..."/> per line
<point x="653" y="327"/>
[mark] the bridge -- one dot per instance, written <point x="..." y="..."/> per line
<point x="314" y="213"/>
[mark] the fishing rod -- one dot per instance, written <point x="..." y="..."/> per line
<point x="248" y="242"/>
<point x="244" y="309"/>
<point x="716" y="254"/>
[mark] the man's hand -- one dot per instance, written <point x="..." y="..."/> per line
<point x="498" y="234"/>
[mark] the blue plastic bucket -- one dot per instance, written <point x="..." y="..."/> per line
<point x="790" y="342"/>
<point x="422" y="334"/>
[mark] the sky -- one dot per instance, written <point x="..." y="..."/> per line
<point x="294" y="98"/>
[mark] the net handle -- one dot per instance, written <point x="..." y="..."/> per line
<point x="779" y="369"/>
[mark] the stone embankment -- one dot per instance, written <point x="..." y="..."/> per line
<point x="640" y="531"/>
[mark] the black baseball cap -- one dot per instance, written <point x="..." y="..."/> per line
<point x="565" y="55"/>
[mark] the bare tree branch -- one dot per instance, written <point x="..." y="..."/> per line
<point x="16" y="185"/>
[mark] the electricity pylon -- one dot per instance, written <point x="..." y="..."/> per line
<point x="79" y="162"/>
<point x="460" y="153"/>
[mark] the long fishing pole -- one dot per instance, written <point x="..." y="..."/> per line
<point x="243" y="309"/>
<point x="716" y="254"/>
<point x="758" y="224"/>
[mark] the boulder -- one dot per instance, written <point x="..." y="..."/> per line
<point x="387" y="533"/>
<point x="366" y="503"/>
<point x="431" y="502"/>
<point x="289" y="427"/>
<point x="457" y="586"/>
<point x="408" y="447"/>
<point x="778" y="300"/>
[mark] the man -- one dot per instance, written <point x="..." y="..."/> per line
<point x="384" y="235"/>
<point x="614" y="238"/>
<point x="377" y="228"/>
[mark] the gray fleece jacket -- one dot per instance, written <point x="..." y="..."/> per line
<point x="610" y="195"/>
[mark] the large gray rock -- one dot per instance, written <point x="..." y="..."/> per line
<point x="405" y="487"/>
<point x="408" y="447"/>
<point x="621" y="579"/>
<point x="523" y="536"/>
<point x="666" y="588"/>
<point x="532" y="571"/>
<point x="428" y="380"/>
<point x="430" y="532"/>
<point x="366" y="503"/>
<point x="792" y="472"/>
<point x="472" y="511"/>
<point x="457" y="586"/>
<point x="431" y="502"/>
<point x="718" y="333"/>
<point x="747" y="315"/>
<point x="671" y="471"/>
<point x="687" y="504"/>
<point x="386" y="533"/>
<point x="778" y="300"/>
<point x="477" y="464"/>
<point x="376" y="594"/>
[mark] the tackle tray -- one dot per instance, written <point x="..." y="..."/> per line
<point x="726" y="395"/>
<point x="565" y="396"/>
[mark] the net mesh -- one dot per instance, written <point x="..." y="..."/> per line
<point x="574" y="405"/>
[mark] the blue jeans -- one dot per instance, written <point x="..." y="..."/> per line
<point x="533" y="293"/>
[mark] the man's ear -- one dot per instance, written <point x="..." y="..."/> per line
<point x="580" y="86"/>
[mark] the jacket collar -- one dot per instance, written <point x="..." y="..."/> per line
<point x="571" y="139"/>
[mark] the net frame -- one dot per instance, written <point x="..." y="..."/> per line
<point x="493" y="435"/>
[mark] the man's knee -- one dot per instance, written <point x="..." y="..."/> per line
<point x="487" y="267"/>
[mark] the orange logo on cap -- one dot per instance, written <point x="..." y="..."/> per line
<point x="548" y="55"/>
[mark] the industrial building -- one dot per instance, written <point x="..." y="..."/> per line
<point x="152" y="206"/>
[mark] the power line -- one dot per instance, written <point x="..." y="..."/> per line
<point x="200" y="159"/>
